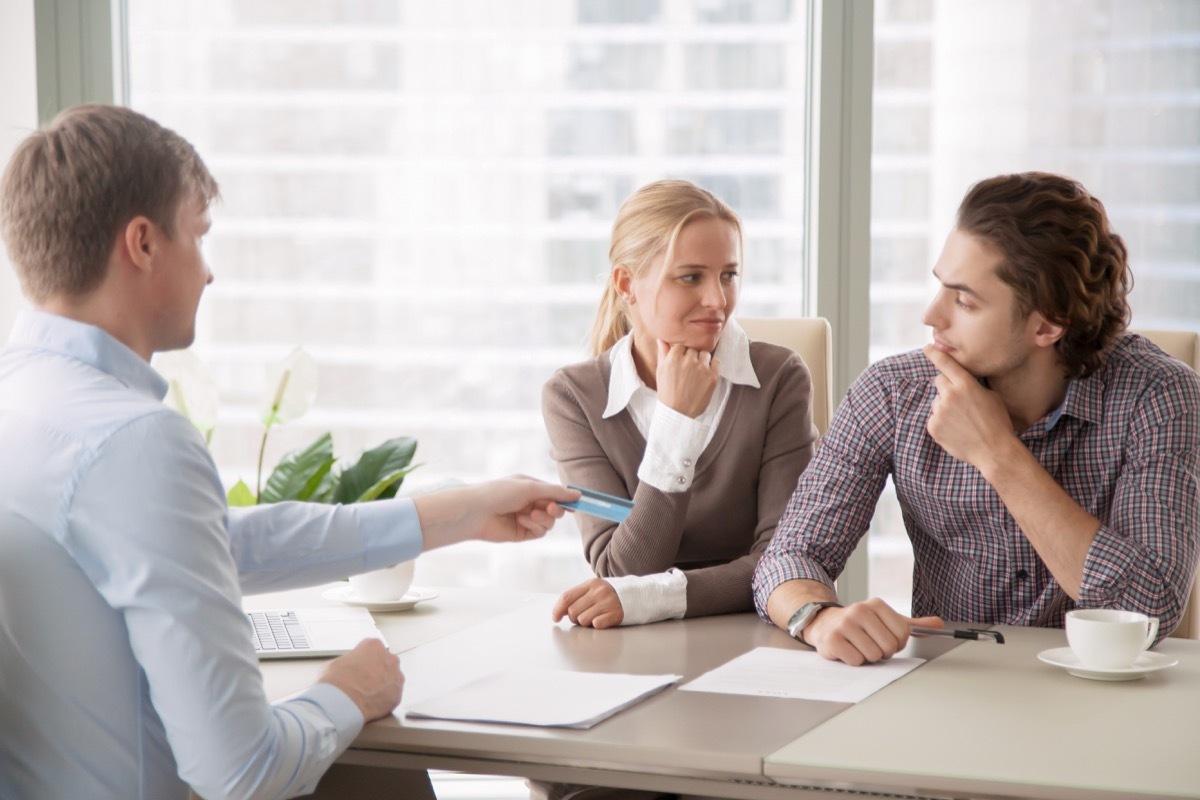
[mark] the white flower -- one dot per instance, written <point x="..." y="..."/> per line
<point x="190" y="388"/>
<point x="292" y="389"/>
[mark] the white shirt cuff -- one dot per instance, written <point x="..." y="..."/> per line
<point x="650" y="598"/>
<point x="332" y="715"/>
<point x="673" y="444"/>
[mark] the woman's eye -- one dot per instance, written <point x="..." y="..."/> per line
<point x="729" y="277"/>
<point x="959" y="302"/>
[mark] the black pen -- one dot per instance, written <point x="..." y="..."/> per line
<point x="975" y="634"/>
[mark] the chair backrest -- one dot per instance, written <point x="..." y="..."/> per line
<point x="812" y="338"/>
<point x="48" y="674"/>
<point x="1184" y="345"/>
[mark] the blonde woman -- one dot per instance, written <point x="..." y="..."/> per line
<point x="706" y="431"/>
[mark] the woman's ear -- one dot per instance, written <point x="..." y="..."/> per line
<point x="622" y="281"/>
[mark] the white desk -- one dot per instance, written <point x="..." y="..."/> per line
<point x="688" y="742"/>
<point x="979" y="720"/>
<point x="993" y="721"/>
<point x="451" y="611"/>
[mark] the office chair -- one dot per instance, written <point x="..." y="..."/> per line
<point x="811" y="338"/>
<point x="1184" y="345"/>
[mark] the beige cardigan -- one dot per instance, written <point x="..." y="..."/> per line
<point x="716" y="530"/>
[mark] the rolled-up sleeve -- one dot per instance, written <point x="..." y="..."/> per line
<point x="1144" y="558"/>
<point x="832" y="506"/>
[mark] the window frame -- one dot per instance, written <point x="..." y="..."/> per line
<point x="82" y="56"/>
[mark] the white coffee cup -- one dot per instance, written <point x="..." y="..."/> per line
<point x="1106" y="638"/>
<point x="383" y="585"/>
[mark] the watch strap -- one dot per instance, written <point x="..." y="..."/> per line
<point x="805" y="615"/>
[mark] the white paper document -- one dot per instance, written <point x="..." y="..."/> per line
<point x="802" y="674"/>
<point x="545" y="697"/>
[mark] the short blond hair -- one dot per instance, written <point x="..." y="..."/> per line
<point x="647" y="226"/>
<point x="71" y="187"/>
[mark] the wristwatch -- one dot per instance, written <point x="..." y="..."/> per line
<point x="804" y="615"/>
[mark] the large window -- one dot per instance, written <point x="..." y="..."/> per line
<point x="1107" y="91"/>
<point x="421" y="194"/>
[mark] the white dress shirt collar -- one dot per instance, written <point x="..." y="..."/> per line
<point x="733" y="351"/>
<point x="93" y="346"/>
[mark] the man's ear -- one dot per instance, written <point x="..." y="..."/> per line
<point x="140" y="241"/>
<point x="1045" y="332"/>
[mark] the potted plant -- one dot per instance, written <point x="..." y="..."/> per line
<point x="311" y="474"/>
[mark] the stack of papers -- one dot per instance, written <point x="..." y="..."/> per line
<point x="543" y="697"/>
<point x="802" y="674"/>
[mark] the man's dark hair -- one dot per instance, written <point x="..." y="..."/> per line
<point x="1061" y="257"/>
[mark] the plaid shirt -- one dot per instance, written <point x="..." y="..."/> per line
<point x="1124" y="444"/>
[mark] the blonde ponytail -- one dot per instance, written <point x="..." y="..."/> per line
<point x="612" y="320"/>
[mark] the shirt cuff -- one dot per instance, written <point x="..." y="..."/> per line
<point x="1106" y="569"/>
<point x="336" y="705"/>
<point x="673" y="444"/>
<point x="391" y="532"/>
<point x="775" y="569"/>
<point x="650" y="598"/>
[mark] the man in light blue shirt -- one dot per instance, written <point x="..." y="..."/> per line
<point x="126" y="668"/>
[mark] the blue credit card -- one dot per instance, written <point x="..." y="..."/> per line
<point x="599" y="504"/>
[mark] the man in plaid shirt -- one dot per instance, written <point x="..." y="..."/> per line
<point x="1044" y="458"/>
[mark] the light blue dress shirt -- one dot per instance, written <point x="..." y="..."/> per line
<point x="126" y="668"/>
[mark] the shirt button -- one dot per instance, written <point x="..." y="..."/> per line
<point x="681" y="480"/>
<point x="1022" y="574"/>
<point x="687" y="462"/>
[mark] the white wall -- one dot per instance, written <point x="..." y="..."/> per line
<point x="18" y="116"/>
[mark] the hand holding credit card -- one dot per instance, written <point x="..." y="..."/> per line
<point x="599" y="504"/>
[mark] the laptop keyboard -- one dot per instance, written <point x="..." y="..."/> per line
<point x="277" y="631"/>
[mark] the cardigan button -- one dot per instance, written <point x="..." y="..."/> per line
<point x="687" y="462"/>
<point x="681" y="480"/>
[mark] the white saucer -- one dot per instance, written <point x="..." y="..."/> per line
<point x="343" y="594"/>
<point x="1147" y="662"/>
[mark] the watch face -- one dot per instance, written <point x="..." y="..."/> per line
<point x="801" y="618"/>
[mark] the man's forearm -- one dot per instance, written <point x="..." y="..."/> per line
<point x="1059" y="529"/>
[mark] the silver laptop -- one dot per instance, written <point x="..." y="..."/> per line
<point x="310" y="632"/>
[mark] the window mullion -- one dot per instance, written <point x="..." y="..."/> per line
<point x="838" y="253"/>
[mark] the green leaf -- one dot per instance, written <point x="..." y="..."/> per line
<point x="388" y="482"/>
<point x="374" y="466"/>
<point x="300" y="472"/>
<point x="240" y="495"/>
<point x="327" y="487"/>
<point x="309" y="489"/>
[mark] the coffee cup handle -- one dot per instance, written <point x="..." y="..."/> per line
<point x="1153" y="624"/>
